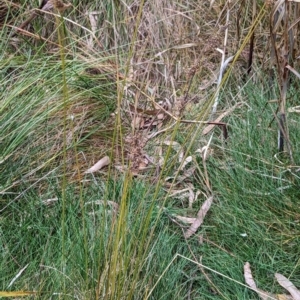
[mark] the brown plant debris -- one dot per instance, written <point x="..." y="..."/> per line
<point x="200" y="217"/>
<point x="99" y="165"/>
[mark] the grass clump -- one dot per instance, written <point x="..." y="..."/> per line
<point x="136" y="82"/>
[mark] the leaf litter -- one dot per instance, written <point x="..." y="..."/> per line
<point x="200" y="217"/>
<point x="282" y="280"/>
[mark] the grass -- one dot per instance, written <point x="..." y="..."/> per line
<point x="113" y="234"/>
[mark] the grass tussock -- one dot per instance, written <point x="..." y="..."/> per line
<point x="184" y="98"/>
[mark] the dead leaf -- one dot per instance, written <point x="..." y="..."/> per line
<point x="160" y="116"/>
<point x="185" y="220"/>
<point x="180" y="194"/>
<point x="137" y="122"/>
<point x="288" y="285"/>
<point x="50" y="201"/>
<point x="16" y="294"/>
<point x="291" y="68"/>
<point x="186" y="161"/>
<point x="205" y="152"/>
<point x="191" y="195"/>
<point x="251" y="283"/>
<point x="99" y="165"/>
<point x="284" y="297"/>
<point x="248" y="277"/>
<point x="187" y="174"/>
<point x="200" y="217"/>
<point x="200" y="239"/>
<point x="295" y="109"/>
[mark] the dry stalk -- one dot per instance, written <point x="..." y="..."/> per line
<point x="281" y="54"/>
<point x="224" y="64"/>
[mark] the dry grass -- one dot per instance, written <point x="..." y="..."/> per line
<point x="161" y="62"/>
<point x="142" y="80"/>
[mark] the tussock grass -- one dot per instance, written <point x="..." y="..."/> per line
<point x="67" y="102"/>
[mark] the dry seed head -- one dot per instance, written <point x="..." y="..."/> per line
<point x="269" y="3"/>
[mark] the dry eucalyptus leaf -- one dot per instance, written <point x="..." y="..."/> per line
<point x="179" y="192"/>
<point x="200" y="217"/>
<point x="251" y="283"/>
<point x="99" y="165"/>
<point x="248" y="277"/>
<point x="284" y="297"/>
<point x="191" y="196"/>
<point x="186" y="161"/>
<point x="288" y="285"/>
<point x="160" y="116"/>
<point x="295" y="109"/>
<point x="137" y="122"/>
<point x="185" y="220"/>
<point x="187" y="174"/>
<point x="160" y="124"/>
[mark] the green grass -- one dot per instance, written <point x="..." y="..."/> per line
<point x="254" y="218"/>
<point x="112" y="235"/>
<point x="35" y="238"/>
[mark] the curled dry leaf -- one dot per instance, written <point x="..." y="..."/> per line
<point x="99" y="165"/>
<point x="200" y="217"/>
<point x="288" y="285"/>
